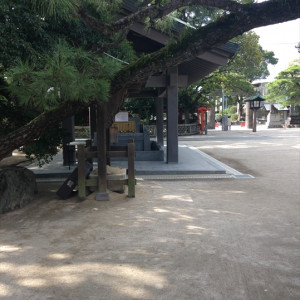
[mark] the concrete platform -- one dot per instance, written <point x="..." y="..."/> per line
<point x="192" y="162"/>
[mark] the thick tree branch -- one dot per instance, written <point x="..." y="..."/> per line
<point x="145" y="3"/>
<point x="91" y="22"/>
<point x="99" y="49"/>
<point x="204" y="39"/>
<point x="37" y="127"/>
<point x="153" y="12"/>
<point x="208" y="37"/>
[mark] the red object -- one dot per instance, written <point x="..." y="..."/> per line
<point x="243" y="124"/>
<point x="201" y="120"/>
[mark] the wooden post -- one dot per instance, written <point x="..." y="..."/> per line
<point x="172" y="116"/>
<point x="81" y="172"/>
<point x="93" y="120"/>
<point x="160" y="121"/>
<point x="69" y="158"/>
<point x="101" y="153"/>
<point x="131" y="170"/>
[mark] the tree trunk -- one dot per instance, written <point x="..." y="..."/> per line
<point x="239" y="108"/>
<point x="186" y="116"/>
<point x="37" y="127"/>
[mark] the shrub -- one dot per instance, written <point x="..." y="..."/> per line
<point x="234" y="117"/>
<point x="233" y="110"/>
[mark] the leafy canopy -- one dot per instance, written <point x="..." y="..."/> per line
<point x="251" y="60"/>
<point x="286" y="88"/>
<point x="249" y="63"/>
<point x="69" y="74"/>
<point x="23" y="33"/>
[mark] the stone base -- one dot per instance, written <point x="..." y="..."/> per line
<point x="153" y="155"/>
<point x="113" y="173"/>
<point x="17" y="188"/>
<point x="102" y="197"/>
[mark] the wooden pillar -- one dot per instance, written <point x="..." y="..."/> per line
<point x="93" y="120"/>
<point x="69" y="157"/>
<point x="81" y="172"/>
<point x="160" y="121"/>
<point x="131" y="169"/>
<point x="101" y="153"/>
<point x="172" y="115"/>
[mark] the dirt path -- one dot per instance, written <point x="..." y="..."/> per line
<point x="209" y="239"/>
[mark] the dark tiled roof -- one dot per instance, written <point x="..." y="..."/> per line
<point x="230" y="47"/>
<point x="197" y="68"/>
<point x="255" y="97"/>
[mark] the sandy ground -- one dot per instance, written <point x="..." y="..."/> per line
<point x="201" y="239"/>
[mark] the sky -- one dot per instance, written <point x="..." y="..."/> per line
<point x="281" y="39"/>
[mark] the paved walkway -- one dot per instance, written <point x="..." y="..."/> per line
<point x="191" y="161"/>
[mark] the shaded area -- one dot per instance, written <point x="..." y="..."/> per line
<point x="225" y="239"/>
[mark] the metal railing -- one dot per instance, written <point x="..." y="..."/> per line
<point x="183" y="129"/>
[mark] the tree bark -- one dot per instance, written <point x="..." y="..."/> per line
<point x="239" y="108"/>
<point x="152" y="12"/>
<point x="37" y="127"/>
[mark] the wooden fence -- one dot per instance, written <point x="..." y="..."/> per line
<point x="122" y="151"/>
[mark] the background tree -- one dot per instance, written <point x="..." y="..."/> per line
<point x="23" y="34"/>
<point x="285" y="88"/>
<point x="249" y="63"/>
<point x="37" y="65"/>
<point x="144" y="108"/>
<point x="103" y="18"/>
<point x="189" y="99"/>
<point x="236" y="87"/>
<point x="251" y="60"/>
